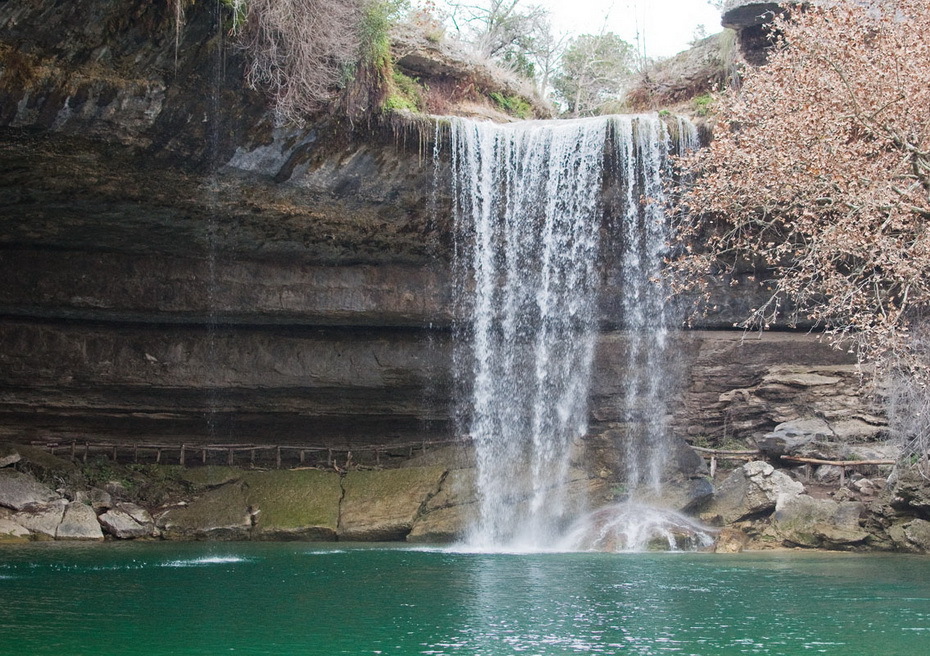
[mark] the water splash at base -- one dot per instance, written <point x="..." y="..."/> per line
<point x="636" y="527"/>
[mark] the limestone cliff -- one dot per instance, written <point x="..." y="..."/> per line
<point x="178" y="268"/>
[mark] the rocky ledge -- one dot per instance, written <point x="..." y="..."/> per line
<point x="432" y="500"/>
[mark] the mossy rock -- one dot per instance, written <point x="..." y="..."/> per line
<point x="211" y="476"/>
<point x="45" y="466"/>
<point x="219" y="514"/>
<point x="383" y="505"/>
<point x="294" y="504"/>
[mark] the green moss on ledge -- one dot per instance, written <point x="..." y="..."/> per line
<point x="294" y="504"/>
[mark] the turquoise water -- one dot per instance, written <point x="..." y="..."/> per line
<point x="169" y="598"/>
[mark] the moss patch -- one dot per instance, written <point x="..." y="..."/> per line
<point x="404" y="94"/>
<point x="301" y="504"/>
<point x="211" y="476"/>
<point x="44" y="465"/>
<point x="513" y="105"/>
<point x="220" y="514"/>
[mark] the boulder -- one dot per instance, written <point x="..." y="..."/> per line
<point x="789" y="437"/>
<point x="138" y="513"/>
<point x="293" y="504"/>
<point x="120" y="524"/>
<point x="731" y="539"/>
<point x="42" y="519"/>
<point x="917" y="533"/>
<point x="219" y="514"/>
<point x="912" y="492"/>
<point x="10" y="531"/>
<point x="19" y="490"/>
<point x="912" y="536"/>
<point x="128" y="521"/>
<point x="96" y="498"/>
<point x="865" y="486"/>
<point x="79" y="522"/>
<point x="807" y="522"/>
<point x="828" y="474"/>
<point x="9" y="456"/>
<point x="753" y="489"/>
<point x="383" y="505"/>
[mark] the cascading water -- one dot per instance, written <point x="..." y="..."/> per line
<point x="527" y="207"/>
<point x="647" y="314"/>
<point x="530" y="217"/>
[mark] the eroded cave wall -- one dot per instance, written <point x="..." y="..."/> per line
<point x="177" y="268"/>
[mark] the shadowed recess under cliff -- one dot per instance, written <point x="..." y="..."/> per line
<point x="532" y="227"/>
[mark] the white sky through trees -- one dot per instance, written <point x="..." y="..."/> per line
<point x="665" y="25"/>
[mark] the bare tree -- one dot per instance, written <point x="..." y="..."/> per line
<point x="495" y="27"/>
<point x="300" y="50"/>
<point x="546" y="55"/>
<point x="820" y="171"/>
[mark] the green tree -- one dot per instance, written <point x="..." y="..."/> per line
<point x="595" y="69"/>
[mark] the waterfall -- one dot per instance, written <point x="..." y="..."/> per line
<point x="532" y="227"/>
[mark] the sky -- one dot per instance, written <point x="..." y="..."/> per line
<point x="666" y="25"/>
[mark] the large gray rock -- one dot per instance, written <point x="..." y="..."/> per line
<point x="19" y="490"/>
<point x="128" y="521"/>
<point x="79" y="522"/>
<point x="807" y="522"/>
<point x="42" y="519"/>
<point x="96" y="498"/>
<point x="917" y="533"/>
<point x="8" y="456"/>
<point x="912" y="536"/>
<point x="912" y="492"/>
<point x="753" y="489"/>
<point x="10" y="531"/>
<point x="121" y="525"/>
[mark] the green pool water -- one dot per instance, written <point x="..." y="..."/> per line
<point x="169" y="598"/>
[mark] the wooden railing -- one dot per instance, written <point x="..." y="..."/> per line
<point x="187" y="454"/>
